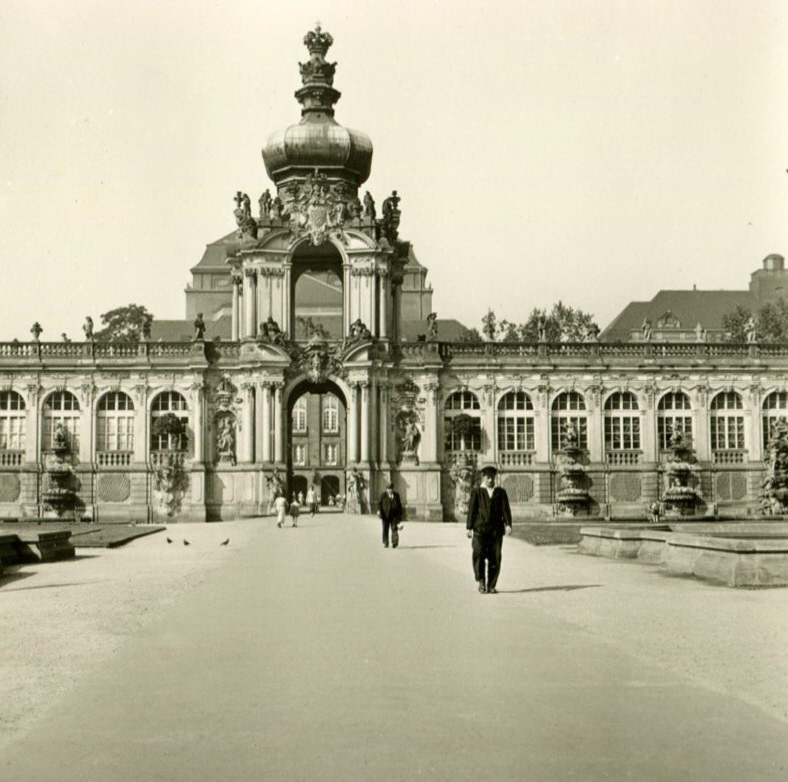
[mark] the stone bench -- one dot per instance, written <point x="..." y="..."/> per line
<point x="27" y="546"/>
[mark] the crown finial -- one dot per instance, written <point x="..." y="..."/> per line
<point x="317" y="41"/>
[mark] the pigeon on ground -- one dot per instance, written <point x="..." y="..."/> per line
<point x="186" y="542"/>
<point x="169" y="540"/>
<point x="225" y="542"/>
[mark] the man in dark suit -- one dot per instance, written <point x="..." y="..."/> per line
<point x="489" y="519"/>
<point x="390" y="512"/>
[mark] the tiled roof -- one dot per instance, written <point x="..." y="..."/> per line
<point x="449" y="330"/>
<point x="216" y="252"/>
<point x="689" y="307"/>
<point x="183" y="330"/>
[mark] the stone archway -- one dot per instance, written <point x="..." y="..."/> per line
<point x="317" y="436"/>
<point x="317" y="292"/>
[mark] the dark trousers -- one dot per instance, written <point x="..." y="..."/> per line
<point x="487" y="551"/>
<point x="390" y="524"/>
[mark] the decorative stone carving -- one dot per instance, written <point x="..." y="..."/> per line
<point x="271" y="271"/>
<point x="270" y="333"/>
<point x="432" y="327"/>
<point x="317" y="360"/>
<point x="36" y="331"/>
<point x="355" y="486"/>
<point x="316" y="211"/>
<point x="243" y="216"/>
<point x="358" y="333"/>
<point x="407" y="425"/>
<point x="88" y="328"/>
<point x="225" y="437"/>
<point x="264" y="204"/>
<point x="462" y="475"/>
<point x="391" y="217"/>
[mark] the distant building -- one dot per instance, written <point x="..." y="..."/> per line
<point x="310" y="355"/>
<point x="677" y="316"/>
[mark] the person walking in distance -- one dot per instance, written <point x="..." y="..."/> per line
<point x="295" y="509"/>
<point x="489" y="519"/>
<point x="280" y="506"/>
<point x="311" y="500"/>
<point x="390" y="512"/>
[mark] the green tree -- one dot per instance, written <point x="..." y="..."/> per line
<point x="124" y="324"/>
<point x="771" y="323"/>
<point x="560" y="324"/>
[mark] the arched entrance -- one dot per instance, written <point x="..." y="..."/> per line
<point x="317" y="425"/>
<point x="317" y="292"/>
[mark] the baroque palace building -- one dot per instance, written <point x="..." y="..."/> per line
<point x="314" y="358"/>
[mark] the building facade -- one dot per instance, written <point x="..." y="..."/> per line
<point x="304" y="371"/>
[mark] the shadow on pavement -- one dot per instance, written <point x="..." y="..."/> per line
<point x="567" y="588"/>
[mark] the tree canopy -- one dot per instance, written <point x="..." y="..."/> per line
<point x="560" y="324"/>
<point x="771" y="323"/>
<point x="124" y="324"/>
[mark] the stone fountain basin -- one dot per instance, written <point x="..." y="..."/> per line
<point x="734" y="554"/>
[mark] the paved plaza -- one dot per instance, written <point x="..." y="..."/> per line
<point x="316" y="654"/>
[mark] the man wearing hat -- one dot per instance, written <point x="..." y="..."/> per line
<point x="489" y="519"/>
<point x="390" y="512"/>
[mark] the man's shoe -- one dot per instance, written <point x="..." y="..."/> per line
<point x="279" y="524"/>
<point x="482" y="588"/>
<point x="385" y="545"/>
<point x="492" y="590"/>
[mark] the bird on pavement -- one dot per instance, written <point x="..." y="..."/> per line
<point x="186" y="542"/>
<point x="169" y="540"/>
<point x="225" y="542"/>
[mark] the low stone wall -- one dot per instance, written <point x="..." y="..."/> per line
<point x="747" y="554"/>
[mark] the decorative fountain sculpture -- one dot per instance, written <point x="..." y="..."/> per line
<point x="58" y="495"/>
<point x="774" y="487"/>
<point x="572" y="497"/>
<point x="462" y="476"/>
<point x="680" y="496"/>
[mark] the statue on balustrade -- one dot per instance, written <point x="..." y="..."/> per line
<point x="751" y="329"/>
<point x="432" y="327"/>
<point x="88" y="328"/>
<point x="265" y="204"/>
<point x="271" y="333"/>
<point x="199" y="327"/>
<point x="647" y="330"/>
<point x="369" y="206"/>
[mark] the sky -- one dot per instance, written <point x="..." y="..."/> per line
<point x="588" y="151"/>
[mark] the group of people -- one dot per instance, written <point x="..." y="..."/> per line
<point x="489" y="519"/>
<point x="282" y="507"/>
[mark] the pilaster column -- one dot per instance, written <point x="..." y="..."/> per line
<point x="33" y="423"/>
<point x="700" y="437"/>
<point x="141" y="422"/>
<point x="488" y="423"/>
<point x="542" y="424"/>
<point x="753" y="439"/>
<point x="346" y="315"/>
<point x="87" y="450"/>
<point x="383" y="295"/>
<point x="236" y="324"/>
<point x="250" y="314"/>
<point x="383" y="423"/>
<point x="247" y="423"/>
<point x="287" y="293"/>
<point x="429" y="438"/>
<point x="594" y="407"/>
<point x="278" y="413"/>
<point x="198" y="397"/>
<point x="396" y="281"/>
<point x="262" y="422"/>
<point x="366" y="420"/>
<point x="648" y="427"/>
<point x="352" y="425"/>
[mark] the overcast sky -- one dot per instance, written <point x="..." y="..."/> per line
<point x="593" y="152"/>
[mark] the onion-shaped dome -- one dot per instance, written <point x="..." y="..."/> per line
<point x="318" y="140"/>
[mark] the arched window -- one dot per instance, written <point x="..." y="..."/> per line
<point x="61" y="407"/>
<point x="775" y="409"/>
<point x="516" y="422"/>
<point x="115" y="422"/>
<point x="726" y="422"/>
<point x="568" y="415"/>
<point x="673" y="415"/>
<point x="299" y="415"/>
<point x="169" y="402"/>
<point x="622" y="422"/>
<point x="12" y="424"/>
<point x="462" y="422"/>
<point x="330" y="414"/>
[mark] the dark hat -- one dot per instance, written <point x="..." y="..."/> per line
<point x="488" y="469"/>
<point x="390" y="485"/>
